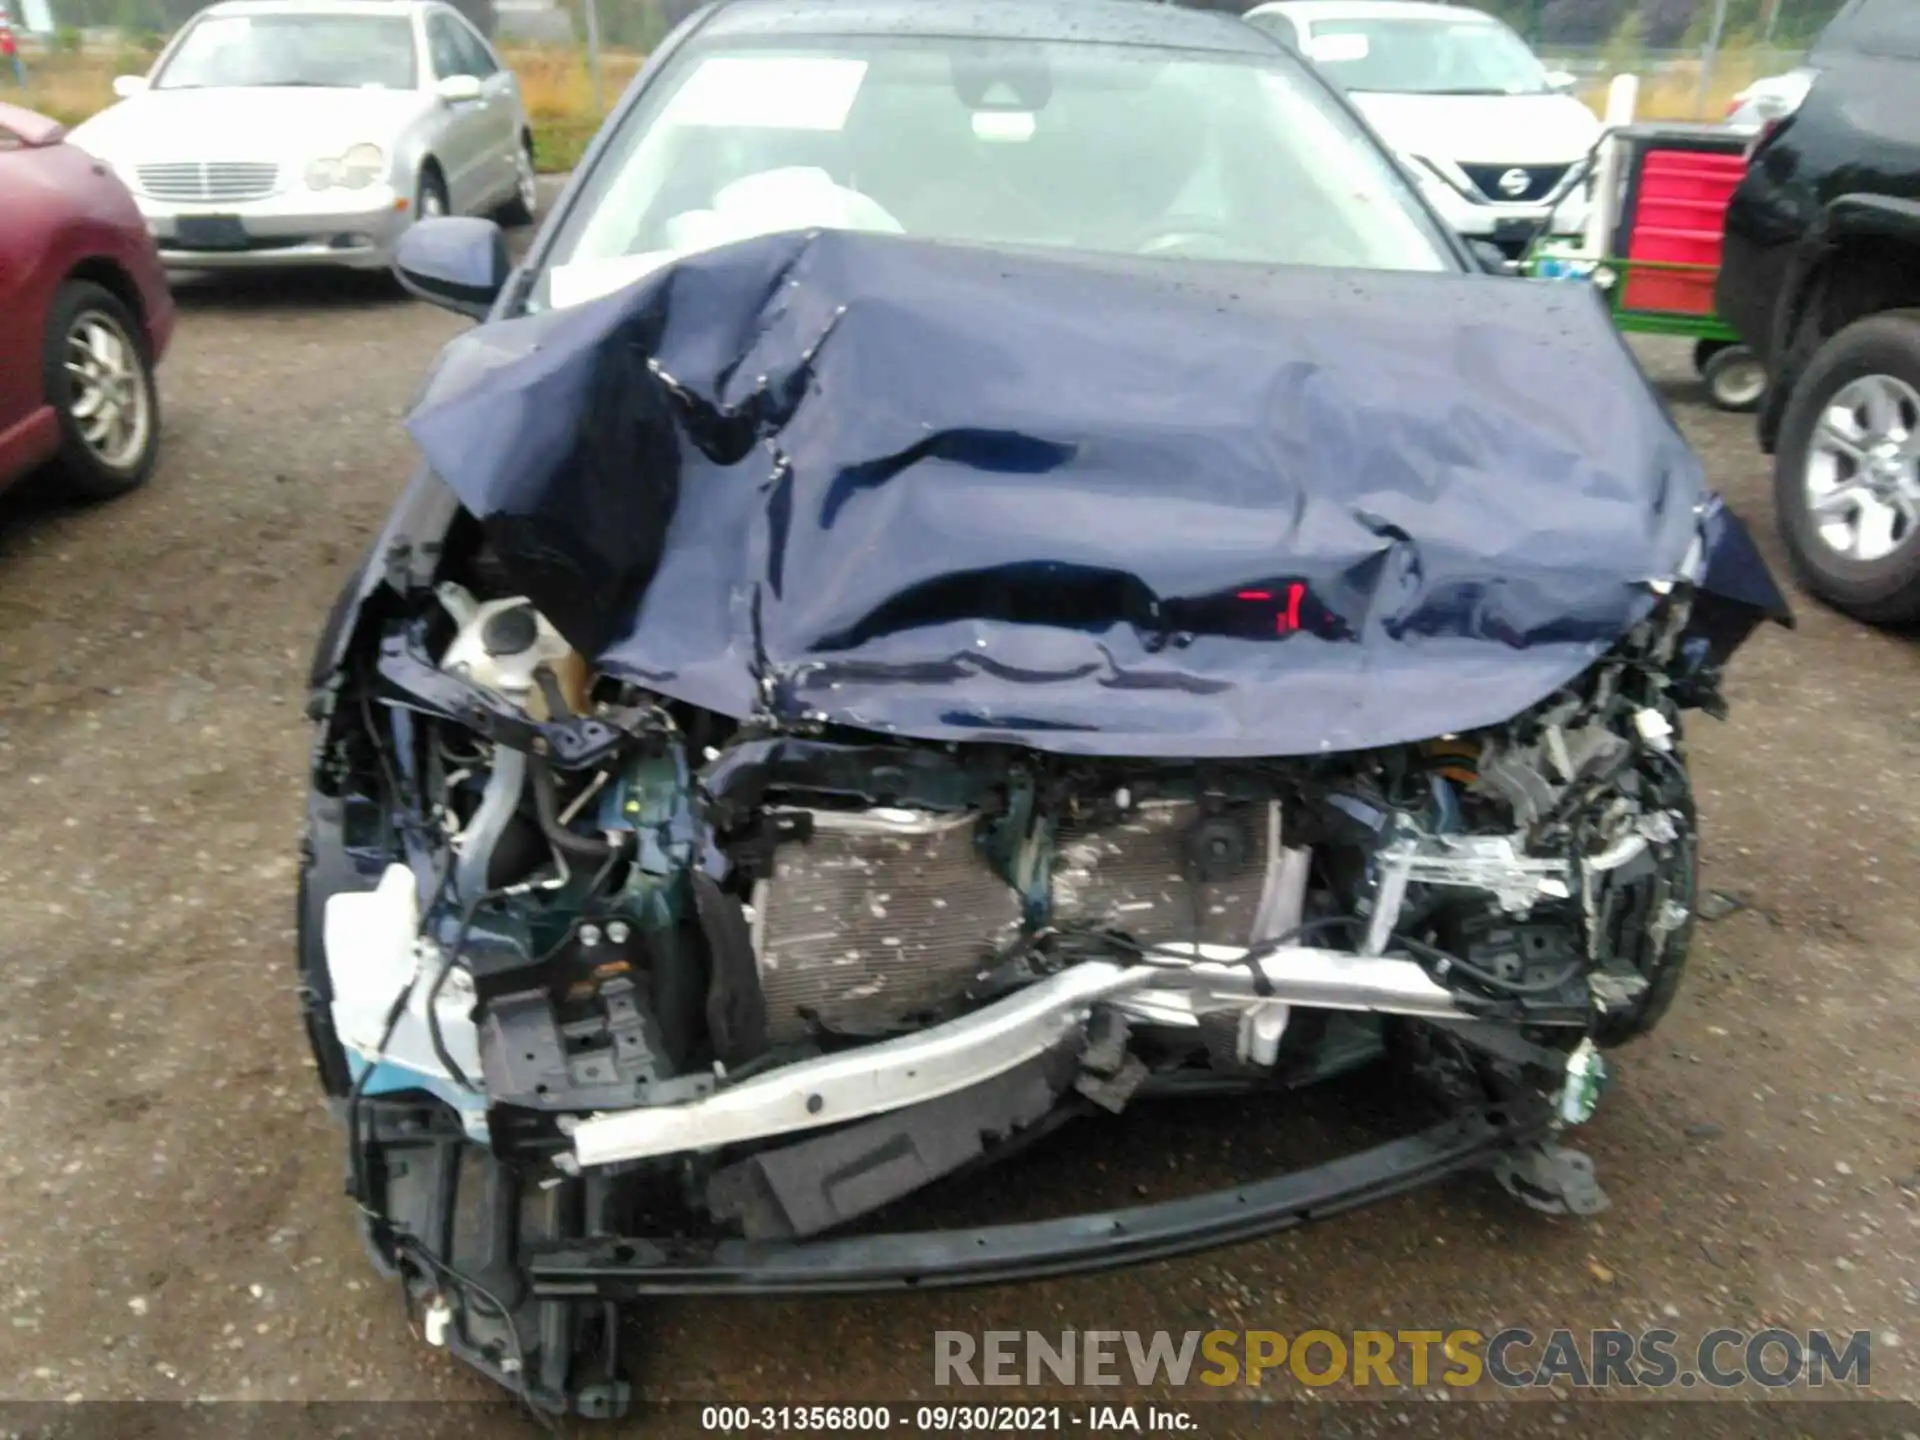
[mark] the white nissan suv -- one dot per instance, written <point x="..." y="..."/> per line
<point x="1498" y="142"/>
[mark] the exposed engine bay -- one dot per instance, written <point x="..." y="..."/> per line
<point x="776" y="759"/>
<point x="629" y="946"/>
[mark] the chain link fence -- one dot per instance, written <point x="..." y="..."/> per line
<point x="1692" y="55"/>
<point x="1575" y="27"/>
<point x="1657" y="25"/>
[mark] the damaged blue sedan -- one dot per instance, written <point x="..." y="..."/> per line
<point x="994" y="564"/>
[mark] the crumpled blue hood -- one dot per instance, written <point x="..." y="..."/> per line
<point x="1087" y="505"/>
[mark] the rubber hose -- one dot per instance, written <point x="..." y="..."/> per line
<point x="547" y="807"/>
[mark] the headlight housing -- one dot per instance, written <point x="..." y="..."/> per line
<point x="360" y="167"/>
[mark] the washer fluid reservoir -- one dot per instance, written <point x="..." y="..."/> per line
<point x="501" y="643"/>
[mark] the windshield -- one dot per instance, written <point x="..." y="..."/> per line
<point x="341" y="51"/>
<point x="1426" y="57"/>
<point x="1117" y="149"/>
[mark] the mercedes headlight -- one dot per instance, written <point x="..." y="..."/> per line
<point x="358" y="168"/>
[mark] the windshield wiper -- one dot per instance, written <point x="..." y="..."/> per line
<point x="1479" y="90"/>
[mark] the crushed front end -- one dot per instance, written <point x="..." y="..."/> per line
<point x="627" y="978"/>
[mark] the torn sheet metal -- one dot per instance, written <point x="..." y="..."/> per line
<point x="1085" y="504"/>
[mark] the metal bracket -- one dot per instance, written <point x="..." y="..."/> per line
<point x="1480" y="862"/>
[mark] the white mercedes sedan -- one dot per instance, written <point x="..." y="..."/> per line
<point x="314" y="132"/>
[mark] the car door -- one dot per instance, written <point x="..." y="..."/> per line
<point x="501" y="93"/>
<point x="464" y="144"/>
<point x="25" y="226"/>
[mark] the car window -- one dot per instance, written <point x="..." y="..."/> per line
<point x="1425" y="57"/>
<point x="1119" y="149"/>
<point x="1874" y="27"/>
<point x="475" y="56"/>
<point x="443" y="46"/>
<point x="349" y="52"/>
<point x="1276" y="24"/>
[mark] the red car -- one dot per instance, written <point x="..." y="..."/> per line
<point x="84" y="316"/>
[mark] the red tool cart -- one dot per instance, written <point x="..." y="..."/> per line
<point x="1660" y="213"/>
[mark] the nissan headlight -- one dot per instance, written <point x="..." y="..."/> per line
<point x="358" y="168"/>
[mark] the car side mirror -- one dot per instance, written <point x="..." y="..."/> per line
<point x="128" y="86"/>
<point x="458" y="89"/>
<point x="1562" y="82"/>
<point x="457" y="262"/>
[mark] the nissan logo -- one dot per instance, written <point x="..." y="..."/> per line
<point x="1514" y="183"/>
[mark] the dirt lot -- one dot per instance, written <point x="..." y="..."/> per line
<point x="171" y="1216"/>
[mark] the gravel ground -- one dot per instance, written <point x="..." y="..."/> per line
<point x="171" y="1216"/>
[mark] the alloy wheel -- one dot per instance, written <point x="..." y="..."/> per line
<point x="1863" y="469"/>
<point x="108" y="398"/>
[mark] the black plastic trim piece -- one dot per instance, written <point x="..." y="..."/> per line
<point x="627" y="1269"/>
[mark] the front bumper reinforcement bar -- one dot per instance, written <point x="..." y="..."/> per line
<point x="937" y="1061"/>
<point x="618" y="1268"/>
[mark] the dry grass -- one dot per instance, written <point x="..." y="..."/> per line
<point x="557" y="85"/>
<point x="71" y="87"/>
<point x="555" y="82"/>
<point x="1675" y="94"/>
<point x="559" y="91"/>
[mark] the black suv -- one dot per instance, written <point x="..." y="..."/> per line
<point x="1821" y="275"/>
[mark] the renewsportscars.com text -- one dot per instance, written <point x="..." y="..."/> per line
<point x="1512" y="1358"/>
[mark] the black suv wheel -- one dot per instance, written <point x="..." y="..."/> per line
<point x="1847" y="473"/>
